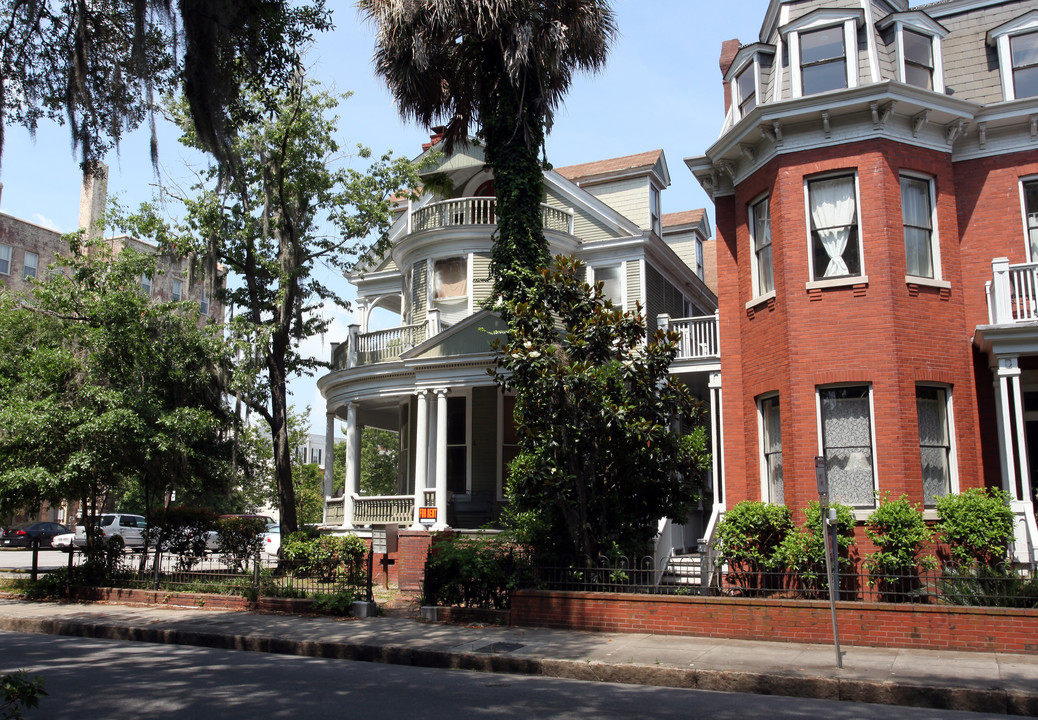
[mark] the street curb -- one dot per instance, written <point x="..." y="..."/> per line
<point x="990" y="700"/>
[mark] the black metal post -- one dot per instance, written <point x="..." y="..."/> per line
<point x="35" y="557"/>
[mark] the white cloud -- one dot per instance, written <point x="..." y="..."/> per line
<point x="45" y="222"/>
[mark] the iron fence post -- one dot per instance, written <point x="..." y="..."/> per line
<point x="35" y="557"/>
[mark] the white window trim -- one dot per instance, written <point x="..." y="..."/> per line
<point x="10" y="258"/>
<point x="819" y="20"/>
<point x="953" y="454"/>
<point x="755" y="265"/>
<point x="700" y="260"/>
<point x="935" y="52"/>
<point x="935" y="238"/>
<point x="1023" y="215"/>
<point x="863" y="277"/>
<point x="737" y="98"/>
<point x="147" y="284"/>
<point x="173" y="291"/>
<point x="762" y="459"/>
<point x="861" y="513"/>
<point x="25" y="264"/>
<point x="466" y="395"/>
<point x="430" y="283"/>
<point x="622" y="265"/>
<point x="999" y="38"/>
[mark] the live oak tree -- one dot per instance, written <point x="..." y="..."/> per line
<point x="609" y="441"/>
<point x="503" y="66"/>
<point x="100" y="65"/>
<point x="103" y="390"/>
<point x="286" y="205"/>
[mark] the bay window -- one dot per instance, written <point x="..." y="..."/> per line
<point x="823" y="60"/>
<point x="760" y="234"/>
<point x="835" y="241"/>
<point x="934" y="442"/>
<point x="845" y="415"/>
<point x="917" y="215"/>
<point x="771" y="450"/>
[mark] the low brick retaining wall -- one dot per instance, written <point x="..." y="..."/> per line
<point x="933" y="627"/>
<point x="162" y="597"/>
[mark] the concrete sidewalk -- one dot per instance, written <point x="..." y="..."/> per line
<point x="987" y="682"/>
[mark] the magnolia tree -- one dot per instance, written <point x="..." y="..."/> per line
<point x="609" y="442"/>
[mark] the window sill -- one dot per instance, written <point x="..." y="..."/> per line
<point x="760" y="300"/>
<point x="837" y="282"/>
<point x="927" y="282"/>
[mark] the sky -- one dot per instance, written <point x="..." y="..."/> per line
<point x="660" y="89"/>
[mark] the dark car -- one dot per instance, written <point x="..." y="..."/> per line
<point x="22" y="535"/>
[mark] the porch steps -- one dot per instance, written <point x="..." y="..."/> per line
<point x="684" y="571"/>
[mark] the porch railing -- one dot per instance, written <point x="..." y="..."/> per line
<point x="479" y="211"/>
<point x="383" y="509"/>
<point x="1012" y="293"/>
<point x="697" y="336"/>
<point x="383" y="345"/>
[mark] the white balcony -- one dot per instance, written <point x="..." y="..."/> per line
<point x="1012" y="293"/>
<point x="697" y="336"/>
<point x="460" y="212"/>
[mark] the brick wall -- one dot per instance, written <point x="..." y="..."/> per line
<point x="868" y="624"/>
<point x="413" y="547"/>
<point x="887" y="334"/>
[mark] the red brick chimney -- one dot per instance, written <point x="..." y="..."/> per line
<point x="729" y="49"/>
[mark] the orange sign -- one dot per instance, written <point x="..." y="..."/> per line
<point x="427" y="515"/>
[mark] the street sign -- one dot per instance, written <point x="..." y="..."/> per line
<point x="427" y="515"/>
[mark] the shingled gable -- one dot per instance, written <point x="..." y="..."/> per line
<point x="614" y="168"/>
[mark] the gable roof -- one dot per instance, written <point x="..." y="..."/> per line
<point x="685" y="217"/>
<point x="629" y="164"/>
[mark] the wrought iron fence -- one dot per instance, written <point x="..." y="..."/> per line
<point x="264" y="575"/>
<point x="997" y="587"/>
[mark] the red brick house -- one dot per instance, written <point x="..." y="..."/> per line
<point x="876" y="194"/>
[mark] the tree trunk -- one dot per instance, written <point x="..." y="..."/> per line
<point x="280" y="439"/>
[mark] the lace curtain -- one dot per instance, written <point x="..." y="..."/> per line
<point x="832" y="214"/>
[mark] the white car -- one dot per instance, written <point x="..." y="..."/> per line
<point x="271" y="540"/>
<point x="129" y="527"/>
<point x="63" y="542"/>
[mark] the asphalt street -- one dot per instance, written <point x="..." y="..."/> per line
<point x="109" y="679"/>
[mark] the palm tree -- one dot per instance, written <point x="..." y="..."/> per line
<point x="504" y="65"/>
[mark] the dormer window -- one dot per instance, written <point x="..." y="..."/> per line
<point x="1024" y="51"/>
<point x="823" y="60"/>
<point x="1017" y="45"/>
<point x="655" y="212"/>
<point x="746" y="85"/>
<point x="918" y="59"/>
<point x="917" y="39"/>
<point x="823" y="51"/>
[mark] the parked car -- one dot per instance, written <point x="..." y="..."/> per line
<point x="212" y="543"/>
<point x="129" y="527"/>
<point x="65" y="541"/>
<point x="271" y="541"/>
<point x="22" y="535"/>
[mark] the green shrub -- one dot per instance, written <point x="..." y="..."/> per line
<point x="900" y="534"/>
<point x="183" y="531"/>
<point x="332" y="558"/>
<point x="337" y="603"/>
<point x="240" y="538"/>
<point x="18" y="690"/>
<point x="977" y="525"/>
<point x="748" y="540"/>
<point x="474" y="572"/>
<point x="803" y="552"/>
<point x="988" y="585"/>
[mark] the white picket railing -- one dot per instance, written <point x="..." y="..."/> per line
<point x="697" y="337"/>
<point x="382" y="509"/>
<point x="480" y="211"/>
<point x="383" y="345"/>
<point x="1013" y="293"/>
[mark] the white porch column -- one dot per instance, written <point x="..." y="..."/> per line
<point x="351" y="349"/>
<point x="1008" y="391"/>
<point x="716" y="444"/>
<point x="421" y="455"/>
<point x="1002" y="311"/>
<point x="363" y="312"/>
<point x="441" y="460"/>
<point x="352" y="464"/>
<point x="329" y="463"/>
<point x="433" y="322"/>
<point x="1015" y="459"/>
